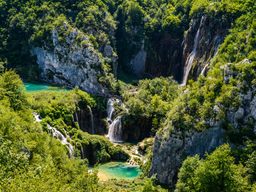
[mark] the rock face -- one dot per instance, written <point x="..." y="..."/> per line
<point x="181" y="57"/>
<point x="90" y="121"/>
<point x="136" y="128"/>
<point x="164" y="56"/>
<point x="172" y="146"/>
<point x="71" y="61"/>
<point x="169" y="153"/>
<point x="137" y="64"/>
<point x="170" y="150"/>
<point x="201" y="43"/>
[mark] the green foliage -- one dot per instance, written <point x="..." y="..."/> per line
<point x="211" y="97"/>
<point x="30" y="159"/>
<point x="130" y="30"/>
<point x="247" y="157"/>
<point x="138" y="185"/>
<point x="12" y="89"/>
<point x="98" y="149"/>
<point x="58" y="108"/>
<point x="151" y="99"/>
<point x="251" y="165"/>
<point x="218" y="172"/>
<point x="30" y="23"/>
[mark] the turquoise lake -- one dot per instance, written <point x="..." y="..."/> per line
<point x="32" y="87"/>
<point x="118" y="170"/>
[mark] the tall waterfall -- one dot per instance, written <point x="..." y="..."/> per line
<point x="110" y="108"/>
<point x="92" y="119"/>
<point x="58" y="135"/>
<point x="191" y="57"/>
<point x="115" y="131"/>
<point x="204" y="70"/>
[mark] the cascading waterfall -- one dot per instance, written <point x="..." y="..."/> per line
<point x="204" y="70"/>
<point x="191" y="57"/>
<point x="217" y="41"/>
<point x="37" y="117"/>
<point x="76" y="118"/>
<point x="92" y="119"/>
<point x="115" y="131"/>
<point x="82" y="152"/>
<point x="110" y="108"/>
<point x="58" y="135"/>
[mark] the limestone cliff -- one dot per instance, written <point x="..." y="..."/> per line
<point x="174" y="142"/>
<point x="71" y="60"/>
<point x="183" y="56"/>
<point x="168" y="153"/>
<point x="201" y="43"/>
<point x="137" y="63"/>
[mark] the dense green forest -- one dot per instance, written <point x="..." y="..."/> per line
<point x="168" y="85"/>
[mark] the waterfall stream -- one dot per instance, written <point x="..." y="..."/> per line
<point x="204" y="70"/>
<point x="110" y="108"/>
<point x="191" y="57"/>
<point x="92" y="119"/>
<point x="115" y="131"/>
<point x="58" y="135"/>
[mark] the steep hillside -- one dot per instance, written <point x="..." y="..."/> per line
<point x="141" y="38"/>
<point x="176" y="78"/>
<point x="215" y="109"/>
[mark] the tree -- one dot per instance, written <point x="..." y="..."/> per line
<point x="187" y="177"/>
<point x="12" y="88"/>
<point x="216" y="173"/>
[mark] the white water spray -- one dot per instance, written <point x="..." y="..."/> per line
<point x="191" y="57"/>
<point x="204" y="70"/>
<point x="115" y="131"/>
<point x="110" y="108"/>
<point x="58" y="135"/>
<point x="92" y="119"/>
<point x="64" y="140"/>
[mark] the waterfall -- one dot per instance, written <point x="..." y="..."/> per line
<point x="76" y="117"/>
<point x="58" y="135"/>
<point x="115" y="131"/>
<point x="110" y="108"/>
<point x="92" y="121"/>
<point x="190" y="59"/>
<point x="82" y="152"/>
<point x="204" y="70"/>
<point x="37" y="117"/>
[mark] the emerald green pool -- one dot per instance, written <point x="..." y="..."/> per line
<point x="118" y="170"/>
<point x="32" y="87"/>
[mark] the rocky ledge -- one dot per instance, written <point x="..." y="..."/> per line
<point x="71" y="60"/>
<point x="172" y="146"/>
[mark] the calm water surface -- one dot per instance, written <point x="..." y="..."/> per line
<point x="119" y="170"/>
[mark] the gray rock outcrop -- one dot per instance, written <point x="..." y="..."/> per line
<point x="137" y="64"/>
<point x="71" y="61"/>
<point x="169" y="153"/>
<point x="173" y="143"/>
<point x="209" y="33"/>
